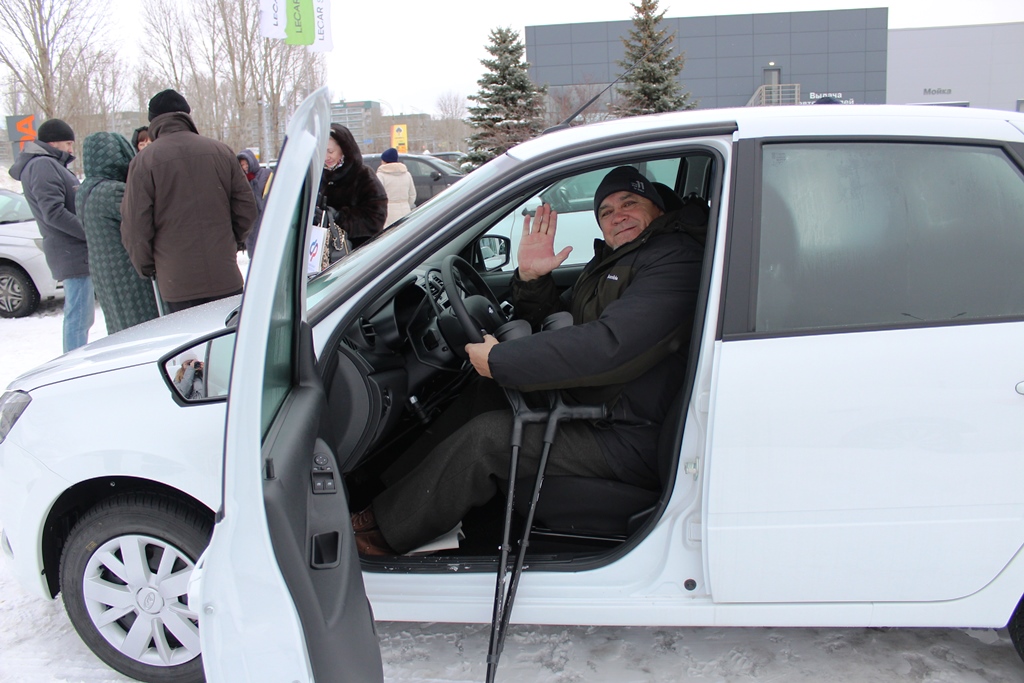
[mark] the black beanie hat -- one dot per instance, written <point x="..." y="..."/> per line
<point x="54" y="130"/>
<point x="167" y="101"/>
<point x="626" y="179"/>
<point x="389" y="156"/>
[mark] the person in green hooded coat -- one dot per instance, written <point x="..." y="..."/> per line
<point x="125" y="297"/>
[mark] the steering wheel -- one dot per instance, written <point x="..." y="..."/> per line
<point x="479" y="312"/>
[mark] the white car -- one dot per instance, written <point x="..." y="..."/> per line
<point x="25" y="278"/>
<point x="847" y="450"/>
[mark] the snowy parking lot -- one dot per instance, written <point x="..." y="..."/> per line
<point x="38" y="644"/>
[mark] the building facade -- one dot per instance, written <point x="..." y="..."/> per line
<point x="977" y="66"/>
<point x="798" y="57"/>
<point x="842" y="53"/>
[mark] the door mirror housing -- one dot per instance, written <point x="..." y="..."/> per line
<point x="491" y="252"/>
<point x="202" y="371"/>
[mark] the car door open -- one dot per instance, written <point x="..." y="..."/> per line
<point x="281" y="589"/>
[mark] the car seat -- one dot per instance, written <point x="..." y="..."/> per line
<point x="603" y="509"/>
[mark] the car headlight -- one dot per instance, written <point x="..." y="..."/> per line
<point x="12" y="405"/>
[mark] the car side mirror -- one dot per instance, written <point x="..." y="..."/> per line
<point x="202" y="371"/>
<point x="491" y="252"/>
<point x="435" y="175"/>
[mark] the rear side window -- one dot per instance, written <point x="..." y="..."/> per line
<point x="869" y="234"/>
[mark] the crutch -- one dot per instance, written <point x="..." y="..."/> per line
<point x="505" y="595"/>
<point x="522" y="415"/>
<point x="159" y="299"/>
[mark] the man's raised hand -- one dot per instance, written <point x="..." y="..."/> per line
<point x="537" y="255"/>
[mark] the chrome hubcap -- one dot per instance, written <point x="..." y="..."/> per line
<point x="11" y="293"/>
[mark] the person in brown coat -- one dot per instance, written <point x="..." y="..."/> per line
<point x="187" y="209"/>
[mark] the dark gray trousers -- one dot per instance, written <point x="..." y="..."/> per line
<point x="467" y="465"/>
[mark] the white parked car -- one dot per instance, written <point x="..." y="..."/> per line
<point x="25" y="278"/>
<point x="848" y="448"/>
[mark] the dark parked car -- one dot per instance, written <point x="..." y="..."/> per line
<point x="431" y="175"/>
<point x="453" y="158"/>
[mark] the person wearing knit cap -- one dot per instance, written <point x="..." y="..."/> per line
<point x="398" y="184"/>
<point x="632" y="312"/>
<point x="187" y="209"/>
<point x="167" y="101"/>
<point x="50" y="189"/>
<point x="55" y="130"/>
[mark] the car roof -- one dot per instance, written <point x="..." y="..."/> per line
<point x="790" y="121"/>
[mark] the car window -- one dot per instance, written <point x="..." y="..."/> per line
<point x="864" y="234"/>
<point x="448" y="168"/>
<point x="573" y="199"/>
<point x="417" y="168"/>
<point x="14" y="208"/>
<point x="279" y="372"/>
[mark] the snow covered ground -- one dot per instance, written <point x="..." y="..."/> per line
<point x="38" y="644"/>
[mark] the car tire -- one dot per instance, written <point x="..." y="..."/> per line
<point x="18" y="294"/>
<point x="124" y="575"/>
<point x="1016" y="628"/>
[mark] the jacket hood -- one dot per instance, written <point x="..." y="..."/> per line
<point x="349" y="148"/>
<point x="33" y="149"/>
<point x="171" y="122"/>
<point x="250" y="158"/>
<point x="394" y="168"/>
<point x="106" y="155"/>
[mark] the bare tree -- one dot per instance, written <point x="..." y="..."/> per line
<point x="168" y="45"/>
<point x="450" y="128"/>
<point x="451" y="105"/>
<point x="565" y="100"/>
<point x="242" y="87"/>
<point x="47" y="44"/>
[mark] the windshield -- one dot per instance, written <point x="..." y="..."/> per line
<point x="424" y="222"/>
<point x="452" y="169"/>
<point x="14" y="208"/>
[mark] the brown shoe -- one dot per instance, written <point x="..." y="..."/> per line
<point x="364" y="520"/>
<point x="372" y="543"/>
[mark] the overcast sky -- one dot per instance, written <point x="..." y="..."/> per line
<point x="404" y="53"/>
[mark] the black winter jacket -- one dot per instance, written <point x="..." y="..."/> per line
<point x="354" y="191"/>
<point x="633" y="312"/>
<point x="50" y="189"/>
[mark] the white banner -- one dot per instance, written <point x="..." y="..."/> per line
<point x="272" y="18"/>
<point x="322" y="41"/>
<point x="317" y="243"/>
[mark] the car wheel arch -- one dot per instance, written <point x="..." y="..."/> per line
<point x="85" y="495"/>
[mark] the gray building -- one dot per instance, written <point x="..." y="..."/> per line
<point x="842" y="53"/>
<point x="358" y="117"/>
<point x="977" y="66"/>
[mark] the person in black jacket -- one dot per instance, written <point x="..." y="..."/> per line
<point x="351" y="189"/>
<point x="632" y="308"/>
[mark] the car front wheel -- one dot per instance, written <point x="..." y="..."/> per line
<point x="124" y="578"/>
<point x="18" y="294"/>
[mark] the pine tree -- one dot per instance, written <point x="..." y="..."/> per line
<point x="511" y="107"/>
<point x="653" y="86"/>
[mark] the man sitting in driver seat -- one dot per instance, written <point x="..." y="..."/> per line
<point x="632" y="309"/>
